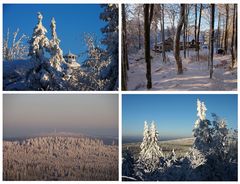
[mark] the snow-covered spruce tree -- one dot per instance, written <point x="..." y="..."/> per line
<point x="202" y="131"/>
<point x="208" y="157"/>
<point x="38" y="42"/>
<point x="220" y="133"/>
<point x="110" y="31"/>
<point x="127" y="163"/>
<point x="150" y="154"/>
<point x="55" y="51"/>
<point x="46" y="75"/>
<point x="154" y="152"/>
<point x="145" y="143"/>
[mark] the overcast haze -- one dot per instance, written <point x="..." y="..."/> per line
<point x="29" y="115"/>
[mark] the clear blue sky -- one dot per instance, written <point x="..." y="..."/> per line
<point x="175" y="115"/>
<point x="73" y="20"/>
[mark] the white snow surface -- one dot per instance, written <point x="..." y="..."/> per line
<point x="195" y="75"/>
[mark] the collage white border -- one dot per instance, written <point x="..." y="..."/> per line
<point x="119" y="92"/>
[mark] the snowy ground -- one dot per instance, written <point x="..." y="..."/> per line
<point x="195" y="75"/>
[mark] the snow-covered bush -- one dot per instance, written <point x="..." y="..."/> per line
<point x="18" y="48"/>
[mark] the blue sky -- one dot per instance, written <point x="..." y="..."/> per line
<point x="175" y="115"/>
<point x="73" y="20"/>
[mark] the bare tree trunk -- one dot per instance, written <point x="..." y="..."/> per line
<point x="139" y="31"/>
<point x="198" y="33"/>
<point x="218" y="31"/>
<point x="223" y="36"/>
<point x="212" y="38"/>
<point x="195" y="26"/>
<point x="155" y="29"/>
<point x="226" y="30"/>
<point x="184" y="34"/>
<point x="236" y="30"/>
<point x="177" y="40"/>
<point x="233" y="49"/>
<point x="148" y="14"/>
<point x="187" y="36"/>
<point x="163" y="34"/>
<point x="124" y="49"/>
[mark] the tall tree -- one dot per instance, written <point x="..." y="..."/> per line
<point x="218" y="31"/>
<point x="124" y="49"/>
<point x="163" y="34"/>
<point x="195" y="25"/>
<point x="185" y="31"/>
<point x="234" y="32"/>
<point x="148" y="15"/>
<point x="211" y="38"/>
<point x="198" y="31"/>
<point x="177" y="40"/>
<point x="226" y="29"/>
<point x="139" y="28"/>
<point x="110" y="39"/>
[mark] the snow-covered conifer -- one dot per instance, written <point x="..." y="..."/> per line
<point x="110" y="15"/>
<point x="127" y="164"/>
<point x="55" y="50"/>
<point x="202" y="131"/>
<point x="149" y="157"/>
<point x="38" y="42"/>
<point x="146" y="140"/>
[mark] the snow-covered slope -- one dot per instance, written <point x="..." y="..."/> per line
<point x="195" y="75"/>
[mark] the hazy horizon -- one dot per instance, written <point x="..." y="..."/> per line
<point x="88" y="114"/>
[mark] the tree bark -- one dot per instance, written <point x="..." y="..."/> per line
<point x="195" y="26"/>
<point x="233" y="49"/>
<point x="184" y="34"/>
<point x="139" y="31"/>
<point x="124" y="49"/>
<point x="177" y="40"/>
<point x="226" y="29"/>
<point x="163" y="34"/>
<point x="198" y="33"/>
<point x="148" y="14"/>
<point x="218" y="31"/>
<point x="211" y="38"/>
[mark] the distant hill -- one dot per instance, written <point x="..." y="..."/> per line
<point x="108" y="140"/>
<point x="180" y="146"/>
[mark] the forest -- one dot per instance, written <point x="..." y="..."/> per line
<point x="179" y="47"/>
<point x="212" y="153"/>
<point x="61" y="158"/>
<point x="37" y="62"/>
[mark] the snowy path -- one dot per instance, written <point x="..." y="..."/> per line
<point x="195" y="76"/>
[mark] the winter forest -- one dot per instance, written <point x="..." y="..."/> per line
<point x="211" y="157"/>
<point x="37" y="62"/>
<point x="179" y="47"/>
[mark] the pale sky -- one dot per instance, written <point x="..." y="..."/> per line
<point x="29" y="115"/>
